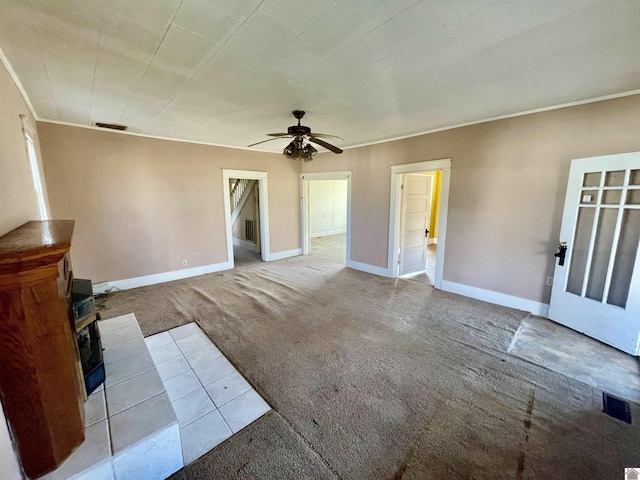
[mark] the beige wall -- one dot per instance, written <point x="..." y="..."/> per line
<point x="17" y="197"/>
<point x="17" y="206"/>
<point x="144" y="205"/>
<point x="508" y="182"/>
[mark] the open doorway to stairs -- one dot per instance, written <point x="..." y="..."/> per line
<point x="326" y="215"/>
<point x="246" y="216"/>
<point x="417" y="219"/>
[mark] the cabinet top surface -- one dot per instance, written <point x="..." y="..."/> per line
<point x="37" y="236"/>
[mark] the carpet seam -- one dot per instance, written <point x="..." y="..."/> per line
<point x="307" y="443"/>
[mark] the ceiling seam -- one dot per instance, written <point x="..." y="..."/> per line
<point x="204" y="64"/>
<point x="93" y="80"/>
<point x="151" y="60"/>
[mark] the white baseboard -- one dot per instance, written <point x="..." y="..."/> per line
<point x="286" y="254"/>
<point x="128" y="283"/>
<point x="432" y="241"/>
<point x="536" y="308"/>
<point x="365" y="267"/>
<point x="329" y="232"/>
<point x="238" y="242"/>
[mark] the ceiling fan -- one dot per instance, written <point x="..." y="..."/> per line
<point x="299" y="148"/>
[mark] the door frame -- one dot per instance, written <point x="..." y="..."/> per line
<point x="305" y="178"/>
<point x="395" y="214"/>
<point x="263" y="208"/>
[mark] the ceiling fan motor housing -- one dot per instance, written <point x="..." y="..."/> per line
<point x="299" y="130"/>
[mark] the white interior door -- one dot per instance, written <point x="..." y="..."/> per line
<point x="597" y="291"/>
<point x="416" y="207"/>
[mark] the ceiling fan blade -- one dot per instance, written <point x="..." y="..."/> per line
<point x="324" y="144"/>
<point x="267" y="140"/>
<point x="324" y="135"/>
<point x="278" y="134"/>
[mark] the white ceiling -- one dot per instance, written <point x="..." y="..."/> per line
<point x="229" y="71"/>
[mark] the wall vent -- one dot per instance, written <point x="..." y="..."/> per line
<point x="249" y="231"/>
<point x="111" y="126"/>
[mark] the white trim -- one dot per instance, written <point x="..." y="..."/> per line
<point x="444" y="165"/>
<point x="305" y="178"/>
<point x="367" y="144"/>
<point x="426" y="166"/>
<point x="156" y="137"/>
<point x="432" y="241"/>
<point x="18" y="83"/>
<point x="263" y="195"/>
<point x="536" y="308"/>
<point x="365" y="267"/>
<point x="328" y="233"/>
<point x="136" y="282"/>
<point x="501" y="117"/>
<point x="286" y="254"/>
<point x="238" y="242"/>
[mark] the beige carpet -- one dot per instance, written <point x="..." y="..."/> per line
<point x="331" y="247"/>
<point x="376" y="378"/>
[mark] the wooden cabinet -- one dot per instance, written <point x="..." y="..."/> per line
<point x="41" y="394"/>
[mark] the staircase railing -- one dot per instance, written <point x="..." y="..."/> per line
<point x="237" y="191"/>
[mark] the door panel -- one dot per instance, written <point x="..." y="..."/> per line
<point x="596" y="291"/>
<point x="416" y="206"/>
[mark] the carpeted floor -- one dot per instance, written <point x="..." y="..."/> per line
<point x="372" y="378"/>
<point x="331" y="247"/>
<point x="242" y="256"/>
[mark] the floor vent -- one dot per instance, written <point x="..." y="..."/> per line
<point x="616" y="407"/>
<point x="249" y="232"/>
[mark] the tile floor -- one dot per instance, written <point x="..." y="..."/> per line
<point x="211" y="399"/>
<point x="167" y="400"/>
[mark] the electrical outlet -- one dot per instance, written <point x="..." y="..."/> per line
<point x="184" y="263"/>
<point x="549" y="281"/>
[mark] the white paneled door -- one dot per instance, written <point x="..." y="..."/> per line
<point x="416" y="206"/>
<point x="597" y="290"/>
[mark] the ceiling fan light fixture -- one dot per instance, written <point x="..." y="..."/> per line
<point x="290" y="149"/>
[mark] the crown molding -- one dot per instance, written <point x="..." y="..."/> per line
<point x="16" y="80"/>
<point x="501" y="117"/>
<point x="156" y="137"/>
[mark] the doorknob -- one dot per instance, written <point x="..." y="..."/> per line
<point x="426" y="232"/>
<point x="562" y="251"/>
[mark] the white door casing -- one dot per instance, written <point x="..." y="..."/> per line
<point x="395" y="213"/>
<point x="263" y="213"/>
<point x="597" y="291"/>
<point x="416" y="209"/>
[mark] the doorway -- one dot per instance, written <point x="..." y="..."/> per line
<point x="326" y="215"/>
<point x="246" y="216"/>
<point x="417" y="219"/>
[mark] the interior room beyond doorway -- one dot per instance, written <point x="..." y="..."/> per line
<point x="328" y="219"/>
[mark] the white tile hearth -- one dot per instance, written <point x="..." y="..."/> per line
<point x="180" y="385"/>
<point x="203" y="435"/>
<point x="202" y="355"/>
<point x="243" y="410"/>
<point x="210" y="397"/>
<point x="131" y="429"/>
<point x="167" y="400"/>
